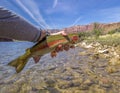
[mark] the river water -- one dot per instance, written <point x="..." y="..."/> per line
<point x="73" y="71"/>
<point x="11" y="50"/>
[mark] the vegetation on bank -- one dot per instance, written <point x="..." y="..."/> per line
<point x="97" y="35"/>
<point x="113" y="40"/>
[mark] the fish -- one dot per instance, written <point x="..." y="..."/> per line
<point x="46" y="45"/>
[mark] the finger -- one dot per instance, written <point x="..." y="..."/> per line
<point x="61" y="48"/>
<point x="57" y="49"/>
<point x="63" y="33"/>
<point x="60" y="45"/>
<point x="53" y="54"/>
<point x="72" y="46"/>
<point x="66" y="47"/>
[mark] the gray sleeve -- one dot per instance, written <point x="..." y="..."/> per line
<point x="15" y="27"/>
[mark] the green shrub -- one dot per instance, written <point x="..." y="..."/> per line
<point x="97" y="30"/>
<point x="84" y="34"/>
<point x="114" y="31"/>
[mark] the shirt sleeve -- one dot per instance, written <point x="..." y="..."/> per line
<point x="15" y="27"/>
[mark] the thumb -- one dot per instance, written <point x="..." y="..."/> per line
<point x="63" y="33"/>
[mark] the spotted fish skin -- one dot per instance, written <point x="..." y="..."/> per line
<point x="48" y="44"/>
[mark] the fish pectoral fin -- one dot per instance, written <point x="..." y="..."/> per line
<point x="36" y="59"/>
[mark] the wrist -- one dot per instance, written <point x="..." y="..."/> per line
<point x="42" y="35"/>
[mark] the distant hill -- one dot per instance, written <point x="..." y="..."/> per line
<point x="79" y="28"/>
<point x="105" y="27"/>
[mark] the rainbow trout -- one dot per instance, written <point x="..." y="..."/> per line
<point x="48" y="44"/>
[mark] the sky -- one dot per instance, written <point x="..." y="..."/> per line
<point x="59" y="14"/>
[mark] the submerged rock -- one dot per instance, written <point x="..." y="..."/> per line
<point x="111" y="69"/>
<point x="87" y="71"/>
<point x="114" y="61"/>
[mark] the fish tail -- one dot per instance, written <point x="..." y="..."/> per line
<point x="20" y="62"/>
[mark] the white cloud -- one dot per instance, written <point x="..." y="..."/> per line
<point x="32" y="9"/>
<point x="55" y="3"/>
<point x="61" y="7"/>
<point x="77" y="20"/>
<point x="106" y="15"/>
<point x="112" y="14"/>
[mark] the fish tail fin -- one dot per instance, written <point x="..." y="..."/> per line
<point x="20" y="62"/>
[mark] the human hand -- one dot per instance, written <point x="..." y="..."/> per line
<point x="61" y="47"/>
<point x="43" y="34"/>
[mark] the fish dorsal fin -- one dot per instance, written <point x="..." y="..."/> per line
<point x="36" y="59"/>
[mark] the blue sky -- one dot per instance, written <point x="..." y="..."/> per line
<point x="65" y="13"/>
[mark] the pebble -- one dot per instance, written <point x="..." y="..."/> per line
<point x="86" y="72"/>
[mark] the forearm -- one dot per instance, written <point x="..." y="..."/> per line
<point x="15" y="27"/>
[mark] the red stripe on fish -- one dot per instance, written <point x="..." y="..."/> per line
<point x="56" y="42"/>
<point x="47" y="45"/>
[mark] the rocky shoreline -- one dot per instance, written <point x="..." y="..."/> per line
<point x="89" y="68"/>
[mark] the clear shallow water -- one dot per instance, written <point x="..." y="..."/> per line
<point x="75" y="71"/>
<point x="11" y="50"/>
<point x="8" y="52"/>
